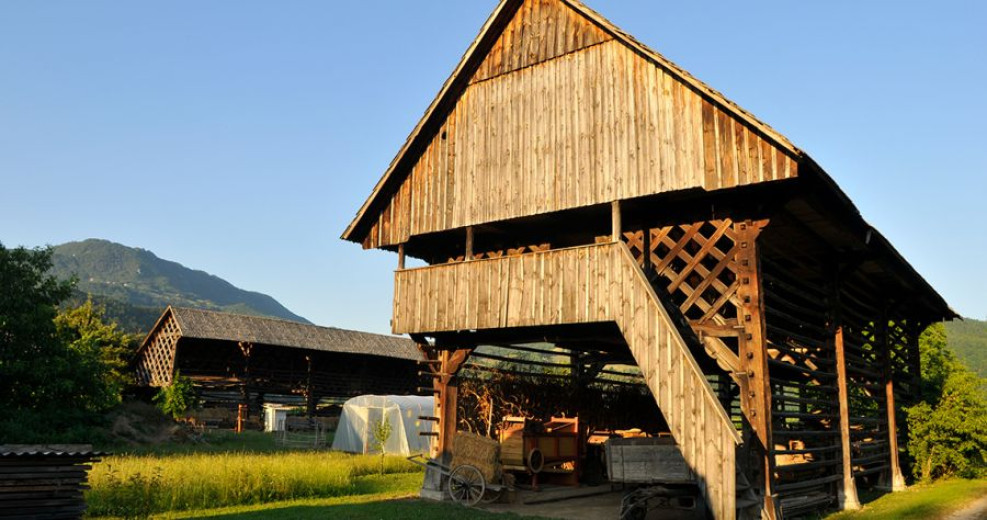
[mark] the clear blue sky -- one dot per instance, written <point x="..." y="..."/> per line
<point x="240" y="137"/>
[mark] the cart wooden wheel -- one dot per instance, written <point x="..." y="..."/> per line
<point x="466" y="485"/>
<point x="535" y="460"/>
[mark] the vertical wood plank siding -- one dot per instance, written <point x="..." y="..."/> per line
<point x="540" y="30"/>
<point x="587" y="127"/>
<point x="600" y="283"/>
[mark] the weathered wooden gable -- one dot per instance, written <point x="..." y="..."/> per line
<point x="564" y="112"/>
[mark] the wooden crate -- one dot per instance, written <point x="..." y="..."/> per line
<point x="646" y="461"/>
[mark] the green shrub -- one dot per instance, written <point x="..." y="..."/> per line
<point x="951" y="438"/>
<point x="177" y="398"/>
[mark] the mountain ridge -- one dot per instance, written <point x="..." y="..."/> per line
<point x="135" y="277"/>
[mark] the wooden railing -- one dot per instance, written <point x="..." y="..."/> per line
<point x="588" y="284"/>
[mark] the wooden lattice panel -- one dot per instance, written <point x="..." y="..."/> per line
<point x="697" y="265"/>
<point x="157" y="361"/>
<point x="903" y="356"/>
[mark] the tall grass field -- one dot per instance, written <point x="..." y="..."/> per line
<point x="133" y="486"/>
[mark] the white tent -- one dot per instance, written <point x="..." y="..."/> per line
<point x="356" y="424"/>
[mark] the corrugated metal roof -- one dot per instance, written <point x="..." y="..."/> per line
<point x="202" y="324"/>
<point x="49" y="450"/>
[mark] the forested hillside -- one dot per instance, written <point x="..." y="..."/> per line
<point x="135" y="285"/>
<point x="968" y="338"/>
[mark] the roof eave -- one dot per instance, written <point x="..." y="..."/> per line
<point x="814" y="171"/>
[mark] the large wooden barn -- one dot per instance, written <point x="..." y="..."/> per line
<point x="570" y="185"/>
<point x="256" y="356"/>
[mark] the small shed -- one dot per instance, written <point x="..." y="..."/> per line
<point x="275" y="416"/>
<point x="355" y="431"/>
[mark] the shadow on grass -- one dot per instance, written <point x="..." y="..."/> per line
<point x="401" y="509"/>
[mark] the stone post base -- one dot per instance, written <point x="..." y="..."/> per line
<point x="433" y="488"/>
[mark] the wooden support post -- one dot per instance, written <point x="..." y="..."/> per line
<point x="615" y="221"/>
<point x="754" y="352"/>
<point x="446" y="397"/>
<point x="848" y="491"/>
<point x="447" y="421"/>
<point x="401" y="256"/>
<point x="243" y="410"/>
<point x="240" y="412"/>
<point x="469" y="243"/>
<point x="897" y="479"/>
<point x="310" y="400"/>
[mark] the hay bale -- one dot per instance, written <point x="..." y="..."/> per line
<point x="479" y="451"/>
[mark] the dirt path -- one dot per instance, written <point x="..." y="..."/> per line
<point x="975" y="511"/>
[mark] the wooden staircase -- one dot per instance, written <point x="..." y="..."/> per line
<point x="589" y="284"/>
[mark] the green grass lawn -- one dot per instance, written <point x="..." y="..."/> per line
<point x="920" y="502"/>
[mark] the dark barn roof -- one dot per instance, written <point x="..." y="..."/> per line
<point x="283" y="356"/>
<point x="203" y="324"/>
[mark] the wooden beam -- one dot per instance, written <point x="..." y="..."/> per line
<point x="445" y="399"/>
<point x="848" y="491"/>
<point x="469" y="242"/>
<point x="310" y="400"/>
<point x="719" y="351"/>
<point x="615" y="221"/>
<point x="896" y="477"/>
<point x="400" y="256"/>
<point x="753" y="351"/>
<point x="246" y="348"/>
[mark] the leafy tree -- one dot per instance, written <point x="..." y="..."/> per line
<point x="57" y="373"/>
<point x="948" y="428"/>
<point x="938" y="361"/>
<point x="32" y="359"/>
<point x="103" y="350"/>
